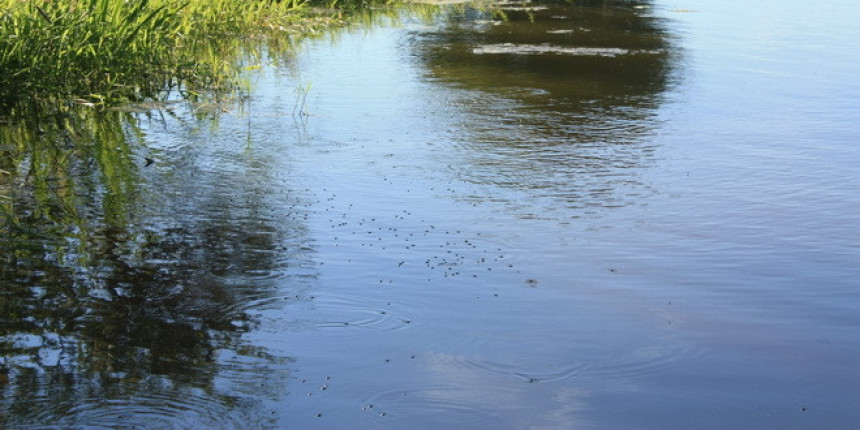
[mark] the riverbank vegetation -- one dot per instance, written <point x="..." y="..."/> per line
<point x="104" y="52"/>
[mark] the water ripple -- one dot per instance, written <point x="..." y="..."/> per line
<point x="336" y="311"/>
<point x="155" y="405"/>
<point x="526" y="372"/>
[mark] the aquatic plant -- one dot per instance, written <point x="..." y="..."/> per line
<point x="101" y="52"/>
<point x="89" y="51"/>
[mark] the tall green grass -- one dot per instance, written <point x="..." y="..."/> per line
<point x="102" y="52"/>
<point x="93" y="50"/>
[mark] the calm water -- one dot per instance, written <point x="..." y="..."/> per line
<point x="609" y="216"/>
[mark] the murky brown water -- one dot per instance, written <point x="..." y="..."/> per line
<point x="606" y="215"/>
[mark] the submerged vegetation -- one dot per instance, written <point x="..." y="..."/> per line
<point x="103" y="52"/>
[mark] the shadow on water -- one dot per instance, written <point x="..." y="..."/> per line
<point x="125" y="290"/>
<point x="561" y="97"/>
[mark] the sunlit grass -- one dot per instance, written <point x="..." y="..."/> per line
<point x="103" y="52"/>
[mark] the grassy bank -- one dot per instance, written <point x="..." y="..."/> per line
<point x="104" y="52"/>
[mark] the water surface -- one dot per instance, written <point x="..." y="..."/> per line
<point x="599" y="215"/>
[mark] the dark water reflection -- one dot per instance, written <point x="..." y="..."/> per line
<point x="128" y="272"/>
<point x="565" y="53"/>
<point x="561" y="98"/>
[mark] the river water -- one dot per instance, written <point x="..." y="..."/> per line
<point x="606" y="215"/>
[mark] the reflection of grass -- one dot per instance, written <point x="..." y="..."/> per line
<point x="76" y="270"/>
<point x="98" y="52"/>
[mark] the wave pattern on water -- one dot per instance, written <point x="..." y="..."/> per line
<point x="176" y="410"/>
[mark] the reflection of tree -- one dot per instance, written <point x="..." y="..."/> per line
<point x="108" y="281"/>
<point x="615" y="25"/>
<point x="558" y="95"/>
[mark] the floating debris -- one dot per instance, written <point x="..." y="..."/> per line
<point x="440" y="2"/>
<point x="511" y="48"/>
<point x="524" y="8"/>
